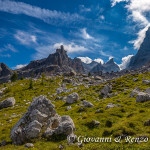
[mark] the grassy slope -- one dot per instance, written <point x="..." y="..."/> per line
<point x="127" y="119"/>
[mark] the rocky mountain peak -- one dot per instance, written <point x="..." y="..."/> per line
<point x="61" y="50"/>
<point x="111" y="61"/>
<point x="143" y="54"/>
<point x="4" y="70"/>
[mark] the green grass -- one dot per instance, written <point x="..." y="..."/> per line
<point x="127" y="119"/>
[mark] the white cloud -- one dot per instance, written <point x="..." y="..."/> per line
<point x="37" y="12"/>
<point x="125" y="62"/>
<point x="139" y="13"/>
<point x="105" y="54"/>
<point x="114" y="2"/>
<point x="84" y="9"/>
<point x="85" y="35"/>
<point x="44" y="51"/>
<point x="99" y="60"/>
<point x="25" y="37"/>
<point x="19" y="66"/>
<point x="141" y="36"/>
<point x="5" y="55"/>
<point x="86" y="60"/>
<point x="102" y="17"/>
<point x="8" y="47"/>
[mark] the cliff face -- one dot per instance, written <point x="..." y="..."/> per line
<point x="4" y="70"/>
<point x="59" y="62"/>
<point x="143" y="55"/>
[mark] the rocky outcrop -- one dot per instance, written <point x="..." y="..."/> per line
<point x="9" y="102"/>
<point x="106" y="90"/>
<point x="142" y="97"/>
<point x="107" y="67"/>
<point x="4" y="70"/>
<point x="143" y="54"/>
<point x="58" y="62"/>
<point x="87" y="104"/>
<point x="41" y="119"/>
<point x="72" y="98"/>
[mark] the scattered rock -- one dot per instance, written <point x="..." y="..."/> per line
<point x="147" y="123"/>
<point x="107" y="89"/>
<point x="68" y="108"/>
<point x="86" y="79"/>
<point x="29" y="145"/>
<point x="146" y="81"/>
<point x="40" y="119"/>
<point x="98" y="78"/>
<point x="81" y="109"/>
<point x="87" y="104"/>
<point x="61" y="147"/>
<point x="135" y="79"/>
<point x="72" y="98"/>
<point x="9" y="102"/>
<point x="142" y="97"/>
<point x="95" y="123"/>
<point x="147" y="90"/>
<point x="110" y="105"/>
<point x="3" y="143"/>
<point x="99" y="111"/>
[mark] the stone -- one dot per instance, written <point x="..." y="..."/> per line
<point x="98" y="78"/>
<point x="107" y="89"/>
<point x="95" y="123"/>
<point x="87" y="79"/>
<point x="68" y="108"/>
<point x="135" y="79"/>
<point x="61" y="147"/>
<point x="147" y="123"/>
<point x="147" y="90"/>
<point x="132" y="94"/>
<point x="9" y="102"/>
<point x="73" y="73"/>
<point x="142" y="97"/>
<point x="3" y="143"/>
<point x="41" y="119"/>
<point x="146" y="81"/>
<point x="72" y="98"/>
<point x="110" y="105"/>
<point x="60" y="125"/>
<point x="29" y="145"/>
<point x="87" y="104"/>
<point x="99" y="111"/>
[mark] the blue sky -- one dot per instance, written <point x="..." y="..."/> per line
<point x="98" y="29"/>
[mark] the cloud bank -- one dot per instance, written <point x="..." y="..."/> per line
<point x="37" y="12"/>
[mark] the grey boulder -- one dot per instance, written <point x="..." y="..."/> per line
<point x="87" y="104"/>
<point x="72" y="98"/>
<point x="9" y="102"/>
<point x="142" y="97"/>
<point x="107" y="89"/>
<point x="40" y="118"/>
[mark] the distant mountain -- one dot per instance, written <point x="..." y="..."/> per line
<point x="143" y="54"/>
<point x="88" y="67"/>
<point x="59" y="62"/>
<point x="107" y="67"/>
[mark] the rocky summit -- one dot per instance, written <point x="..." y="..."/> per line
<point x="143" y="55"/>
<point x="59" y="62"/>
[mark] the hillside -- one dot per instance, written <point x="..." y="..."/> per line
<point x="126" y="117"/>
